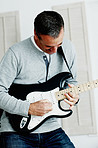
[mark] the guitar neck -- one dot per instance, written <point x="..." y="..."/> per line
<point x="76" y="89"/>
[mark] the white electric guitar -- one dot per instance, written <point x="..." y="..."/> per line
<point x="48" y="90"/>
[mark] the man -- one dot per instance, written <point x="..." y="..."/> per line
<point x="35" y="61"/>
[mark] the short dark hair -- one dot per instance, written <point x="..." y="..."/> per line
<point x="48" y="23"/>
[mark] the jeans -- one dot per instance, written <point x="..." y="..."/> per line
<point x="53" y="139"/>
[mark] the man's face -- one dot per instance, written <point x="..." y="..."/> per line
<point x="49" y="44"/>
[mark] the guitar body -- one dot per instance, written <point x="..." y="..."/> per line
<point x="33" y="93"/>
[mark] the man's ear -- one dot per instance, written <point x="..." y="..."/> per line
<point x="35" y="35"/>
<point x="34" y="32"/>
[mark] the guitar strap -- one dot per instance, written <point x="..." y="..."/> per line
<point x="60" y="50"/>
<point x="47" y="64"/>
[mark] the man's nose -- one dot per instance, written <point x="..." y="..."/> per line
<point x="54" y="49"/>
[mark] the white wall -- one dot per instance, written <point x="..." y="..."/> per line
<point x="29" y="9"/>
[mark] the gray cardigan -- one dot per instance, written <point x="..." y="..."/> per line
<point x="23" y="64"/>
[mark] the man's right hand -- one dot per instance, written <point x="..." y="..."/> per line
<point x="40" y="108"/>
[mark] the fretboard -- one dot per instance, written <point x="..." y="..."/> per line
<point x="76" y="89"/>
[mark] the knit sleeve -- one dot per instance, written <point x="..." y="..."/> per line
<point x="8" y="73"/>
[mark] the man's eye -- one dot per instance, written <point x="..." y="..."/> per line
<point x="49" y="46"/>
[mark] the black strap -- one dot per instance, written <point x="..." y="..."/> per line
<point x="47" y="64"/>
<point x="60" y="50"/>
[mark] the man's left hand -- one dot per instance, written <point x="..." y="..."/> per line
<point x="71" y="98"/>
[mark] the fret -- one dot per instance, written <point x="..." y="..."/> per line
<point x="60" y="95"/>
<point x="70" y="90"/>
<point x="82" y="88"/>
<point x="79" y="88"/>
<point x="85" y="87"/>
<point x="76" y="89"/>
<point x="62" y="92"/>
<point x="91" y="85"/>
<point x="66" y="90"/>
<point x="88" y="85"/>
<point x="96" y="83"/>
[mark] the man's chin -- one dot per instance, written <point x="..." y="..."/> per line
<point x="50" y="52"/>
